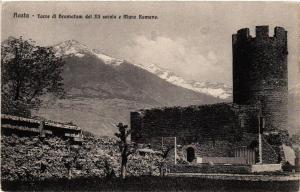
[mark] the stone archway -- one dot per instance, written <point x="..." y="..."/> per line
<point x="190" y="154"/>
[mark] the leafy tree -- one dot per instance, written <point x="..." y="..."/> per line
<point x="125" y="147"/>
<point x="28" y="71"/>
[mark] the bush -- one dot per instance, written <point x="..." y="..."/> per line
<point x="287" y="167"/>
<point x="29" y="158"/>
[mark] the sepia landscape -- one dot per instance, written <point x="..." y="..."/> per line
<point x="95" y="100"/>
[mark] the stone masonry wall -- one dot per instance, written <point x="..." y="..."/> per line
<point x="260" y="73"/>
<point x="188" y="124"/>
<point x="223" y="121"/>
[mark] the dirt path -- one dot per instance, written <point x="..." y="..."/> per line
<point x="244" y="177"/>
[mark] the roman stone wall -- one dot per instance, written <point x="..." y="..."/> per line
<point x="220" y="148"/>
<point x="188" y="124"/>
<point x="223" y="121"/>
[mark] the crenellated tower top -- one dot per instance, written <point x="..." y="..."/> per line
<point x="261" y="34"/>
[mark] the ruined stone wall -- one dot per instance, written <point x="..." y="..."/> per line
<point x="212" y="130"/>
<point x="188" y="124"/>
<point x="219" y="148"/>
<point x="224" y="121"/>
<point x="260" y="73"/>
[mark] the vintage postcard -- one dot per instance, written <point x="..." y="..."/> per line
<point x="150" y="96"/>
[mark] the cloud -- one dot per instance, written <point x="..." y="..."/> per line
<point x="177" y="55"/>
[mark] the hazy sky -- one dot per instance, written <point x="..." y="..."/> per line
<point x="193" y="39"/>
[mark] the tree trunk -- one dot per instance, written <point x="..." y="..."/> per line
<point x="69" y="174"/>
<point x="162" y="169"/>
<point x="123" y="166"/>
<point x="123" y="171"/>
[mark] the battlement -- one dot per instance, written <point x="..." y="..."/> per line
<point x="261" y="32"/>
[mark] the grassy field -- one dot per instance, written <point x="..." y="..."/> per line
<point x="151" y="184"/>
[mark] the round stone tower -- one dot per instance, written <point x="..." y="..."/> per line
<point x="260" y="75"/>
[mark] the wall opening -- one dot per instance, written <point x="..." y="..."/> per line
<point x="190" y="154"/>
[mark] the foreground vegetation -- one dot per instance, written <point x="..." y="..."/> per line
<point x="30" y="158"/>
<point x="30" y="163"/>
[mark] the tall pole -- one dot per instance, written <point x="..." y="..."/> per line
<point x="260" y="147"/>
<point x="175" y="150"/>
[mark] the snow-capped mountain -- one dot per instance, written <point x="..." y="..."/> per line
<point x="74" y="48"/>
<point x="102" y="91"/>
<point x="214" y="89"/>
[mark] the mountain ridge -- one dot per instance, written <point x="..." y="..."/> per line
<point x="102" y="90"/>
<point x="73" y="47"/>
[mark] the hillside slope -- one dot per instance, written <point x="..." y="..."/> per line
<point x="102" y="91"/>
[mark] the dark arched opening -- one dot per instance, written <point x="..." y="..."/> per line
<point x="190" y="154"/>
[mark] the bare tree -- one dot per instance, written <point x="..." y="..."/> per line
<point x="125" y="147"/>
